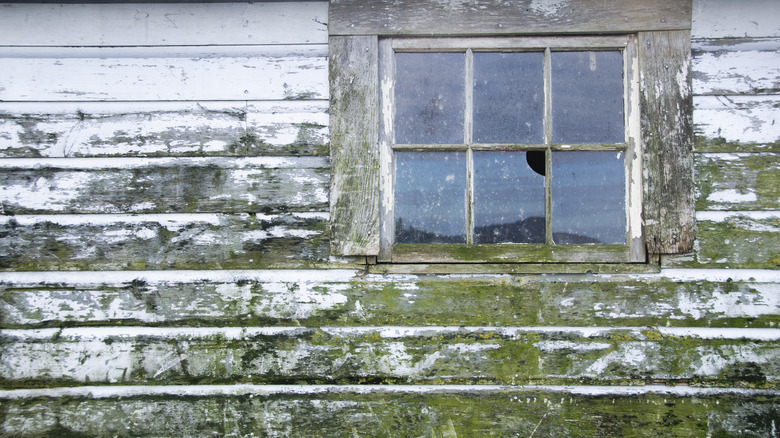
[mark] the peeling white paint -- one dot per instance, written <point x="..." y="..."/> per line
<point x="733" y="196"/>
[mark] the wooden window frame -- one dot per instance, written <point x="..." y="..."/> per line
<point x="632" y="251"/>
<point x="665" y="132"/>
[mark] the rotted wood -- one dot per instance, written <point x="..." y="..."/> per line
<point x="738" y="181"/>
<point x="243" y="410"/>
<point x="164" y="185"/>
<point x="354" y="153"/>
<point x="194" y="241"/>
<point x="119" y="129"/>
<point x="342" y="297"/>
<point x="292" y="72"/>
<point x="411" y="355"/>
<point x="465" y="17"/>
<point x="667" y="134"/>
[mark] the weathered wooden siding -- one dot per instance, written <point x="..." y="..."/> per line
<point x="165" y="264"/>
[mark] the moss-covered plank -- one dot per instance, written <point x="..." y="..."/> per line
<point x="738" y="181"/>
<point x="164" y="185"/>
<point x="198" y="241"/>
<point x="691" y="298"/>
<point x="733" y="240"/>
<point x="392" y="411"/>
<point x="444" y="355"/>
<point x="164" y="73"/>
<point x="110" y="129"/>
<point x="736" y="123"/>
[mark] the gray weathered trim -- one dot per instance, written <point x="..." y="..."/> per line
<point x="354" y="196"/>
<point x="667" y="134"/>
<point x="494" y="17"/>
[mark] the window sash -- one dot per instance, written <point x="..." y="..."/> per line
<point x="520" y="252"/>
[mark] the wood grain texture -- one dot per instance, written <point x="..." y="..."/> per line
<point x="737" y="123"/>
<point x="163" y="185"/>
<point x="371" y="410"/>
<point x="206" y="241"/>
<point x="354" y="154"/>
<point x="123" y="129"/>
<point x="733" y="240"/>
<point x="738" y="181"/>
<point x="667" y="134"/>
<point x="411" y="355"/>
<point x="163" y="24"/>
<point x="164" y="73"/>
<point x="464" y="17"/>
<point x="345" y="298"/>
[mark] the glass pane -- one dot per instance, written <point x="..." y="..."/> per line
<point x="508" y="98"/>
<point x="430" y="197"/>
<point x="508" y="199"/>
<point x="429" y="98"/>
<point x="588" y="197"/>
<point x="587" y="97"/>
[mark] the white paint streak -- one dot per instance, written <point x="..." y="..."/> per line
<point x="732" y="196"/>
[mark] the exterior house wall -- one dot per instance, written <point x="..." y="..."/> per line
<point x="165" y="263"/>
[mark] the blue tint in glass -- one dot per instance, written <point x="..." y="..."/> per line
<point x="588" y="197"/>
<point x="429" y="98"/>
<point x="508" y="199"/>
<point x="508" y="98"/>
<point x="430" y="197"/>
<point x="587" y="97"/>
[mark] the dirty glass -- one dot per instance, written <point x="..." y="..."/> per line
<point x="508" y="199"/>
<point x="587" y="97"/>
<point x="430" y="197"/>
<point x="429" y="98"/>
<point x="508" y="98"/>
<point x="588" y="197"/>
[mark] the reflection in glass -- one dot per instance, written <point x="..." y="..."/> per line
<point x="430" y="197"/>
<point x="429" y="98"/>
<point x="508" y="199"/>
<point x="588" y="197"/>
<point x="508" y="98"/>
<point x="587" y="97"/>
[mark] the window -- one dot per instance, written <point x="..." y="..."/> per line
<point x="511" y="201"/>
<point x="509" y="149"/>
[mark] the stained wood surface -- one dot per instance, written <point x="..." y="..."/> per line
<point x="738" y="181"/>
<point x="373" y="410"/>
<point x="463" y="17"/>
<point x="667" y="134"/>
<point x="733" y="240"/>
<point x="164" y="73"/>
<point x="117" y="129"/>
<point x="164" y="24"/>
<point x="163" y="185"/>
<point x="354" y="196"/>
<point x="344" y="298"/>
<point x="416" y="355"/>
<point x="193" y="241"/>
<point x="737" y="123"/>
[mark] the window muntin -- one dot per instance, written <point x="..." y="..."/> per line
<point x="540" y="173"/>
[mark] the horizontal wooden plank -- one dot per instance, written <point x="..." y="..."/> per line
<point x="273" y="355"/>
<point x="464" y="17"/>
<point x="738" y="181"/>
<point x="163" y="73"/>
<point x="436" y="411"/>
<point x="163" y="185"/>
<point x="693" y="298"/>
<point x="163" y="24"/>
<point x="733" y="70"/>
<point x="115" y="129"/>
<point x="737" y="123"/>
<point x="726" y="18"/>
<point x="193" y="241"/>
<point x="733" y="240"/>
